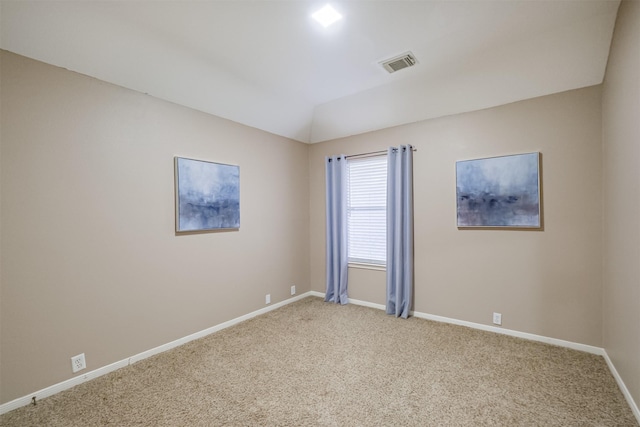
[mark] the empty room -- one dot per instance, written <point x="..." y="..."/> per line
<point x="309" y="213"/>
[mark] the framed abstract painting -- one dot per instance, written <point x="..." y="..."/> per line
<point x="207" y="195"/>
<point x="499" y="192"/>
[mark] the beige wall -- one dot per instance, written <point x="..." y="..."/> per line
<point x="90" y="260"/>
<point x="543" y="282"/>
<point x="621" y="140"/>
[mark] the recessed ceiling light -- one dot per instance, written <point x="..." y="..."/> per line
<point x="326" y="16"/>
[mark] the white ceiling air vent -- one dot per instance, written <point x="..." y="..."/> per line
<point x="397" y="63"/>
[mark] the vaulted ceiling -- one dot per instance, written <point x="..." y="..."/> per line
<point x="267" y="64"/>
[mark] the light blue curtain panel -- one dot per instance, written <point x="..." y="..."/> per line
<point x="399" y="230"/>
<point x="337" y="259"/>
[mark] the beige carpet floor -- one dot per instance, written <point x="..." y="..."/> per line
<point x="312" y="363"/>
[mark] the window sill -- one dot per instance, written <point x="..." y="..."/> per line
<point x="367" y="266"/>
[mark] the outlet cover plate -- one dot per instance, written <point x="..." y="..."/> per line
<point x="267" y="299"/>
<point x="497" y="318"/>
<point x="78" y="363"/>
<point x="293" y="290"/>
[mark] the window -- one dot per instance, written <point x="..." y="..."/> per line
<point x="367" y="210"/>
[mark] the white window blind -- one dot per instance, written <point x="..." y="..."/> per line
<point x="367" y="209"/>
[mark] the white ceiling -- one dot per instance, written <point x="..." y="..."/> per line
<point x="267" y="64"/>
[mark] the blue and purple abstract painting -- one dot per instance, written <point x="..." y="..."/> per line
<point x="499" y="191"/>
<point x="207" y="195"/>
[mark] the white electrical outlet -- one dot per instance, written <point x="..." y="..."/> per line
<point x="267" y="299"/>
<point x="497" y="318"/>
<point x="293" y="290"/>
<point x="78" y="363"/>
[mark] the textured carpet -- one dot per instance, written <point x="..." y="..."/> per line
<point x="317" y="364"/>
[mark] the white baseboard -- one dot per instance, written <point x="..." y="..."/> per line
<point x="64" y="385"/>
<point x="623" y="387"/>
<point x="525" y="335"/>
<point x="208" y="331"/>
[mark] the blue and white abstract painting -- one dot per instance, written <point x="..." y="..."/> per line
<point x="499" y="191"/>
<point x="207" y="195"/>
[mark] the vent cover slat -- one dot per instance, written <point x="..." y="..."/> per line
<point x="401" y="62"/>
